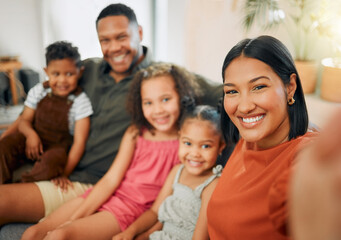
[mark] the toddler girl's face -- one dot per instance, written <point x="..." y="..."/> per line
<point x="199" y="146"/>
<point x="161" y="103"/>
<point x="63" y="76"/>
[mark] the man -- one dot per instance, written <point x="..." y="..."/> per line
<point x="106" y="81"/>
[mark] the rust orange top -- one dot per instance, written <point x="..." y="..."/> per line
<point x="249" y="201"/>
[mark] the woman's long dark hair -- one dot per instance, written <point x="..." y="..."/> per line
<point x="273" y="53"/>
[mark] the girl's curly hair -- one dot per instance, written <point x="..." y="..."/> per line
<point x="185" y="86"/>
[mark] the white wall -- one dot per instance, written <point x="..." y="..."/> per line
<point x="28" y="26"/>
<point x="74" y="20"/>
<point x="213" y="27"/>
<point x="20" y="32"/>
<point x="198" y="33"/>
<point x="194" y="33"/>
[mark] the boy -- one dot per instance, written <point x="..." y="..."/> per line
<point x="54" y="111"/>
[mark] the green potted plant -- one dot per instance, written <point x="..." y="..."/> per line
<point x="306" y="21"/>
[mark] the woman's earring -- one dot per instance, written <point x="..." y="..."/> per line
<point x="291" y="101"/>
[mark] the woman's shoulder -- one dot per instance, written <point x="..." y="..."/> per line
<point x="306" y="139"/>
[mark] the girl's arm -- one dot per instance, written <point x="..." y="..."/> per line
<point x="145" y="235"/>
<point x="34" y="146"/>
<point x="112" y="179"/>
<point x="149" y="217"/>
<point x="200" y="231"/>
<point x="80" y="137"/>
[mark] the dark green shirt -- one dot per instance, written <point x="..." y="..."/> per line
<point x="110" y="118"/>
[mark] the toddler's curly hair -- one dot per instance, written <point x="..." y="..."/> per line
<point x="62" y="50"/>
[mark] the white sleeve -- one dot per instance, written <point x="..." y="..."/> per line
<point x="34" y="96"/>
<point x="82" y="106"/>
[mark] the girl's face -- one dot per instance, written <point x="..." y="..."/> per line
<point x="255" y="99"/>
<point x="63" y="76"/>
<point x="199" y="146"/>
<point x="161" y="103"/>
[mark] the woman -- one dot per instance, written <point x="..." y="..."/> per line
<point x="266" y="115"/>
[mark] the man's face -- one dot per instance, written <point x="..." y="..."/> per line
<point x="120" y="43"/>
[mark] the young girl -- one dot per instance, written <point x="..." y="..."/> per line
<point x="54" y="124"/>
<point x="147" y="153"/>
<point x="182" y="202"/>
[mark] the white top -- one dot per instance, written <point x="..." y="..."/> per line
<point x="80" y="108"/>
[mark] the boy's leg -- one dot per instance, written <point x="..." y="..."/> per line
<point x="12" y="155"/>
<point x="101" y="225"/>
<point x="54" y="220"/>
<point x="20" y="203"/>
<point x="51" y="164"/>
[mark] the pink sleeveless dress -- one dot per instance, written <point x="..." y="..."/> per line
<point x="151" y="163"/>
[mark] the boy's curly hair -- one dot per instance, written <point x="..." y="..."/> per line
<point x="61" y="50"/>
<point x="185" y="86"/>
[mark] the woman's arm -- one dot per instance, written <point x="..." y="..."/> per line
<point x="80" y="137"/>
<point x="112" y="179"/>
<point x="149" y="217"/>
<point x="34" y="147"/>
<point x="315" y="187"/>
<point x="200" y="231"/>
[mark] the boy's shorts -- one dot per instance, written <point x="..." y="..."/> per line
<point x="54" y="197"/>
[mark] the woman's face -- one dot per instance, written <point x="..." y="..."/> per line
<point x="255" y="99"/>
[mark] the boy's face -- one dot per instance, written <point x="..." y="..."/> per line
<point x="120" y="43"/>
<point x="63" y="76"/>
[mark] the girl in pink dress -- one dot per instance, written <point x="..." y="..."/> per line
<point x="147" y="153"/>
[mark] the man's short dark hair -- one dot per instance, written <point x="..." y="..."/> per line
<point x="118" y="9"/>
